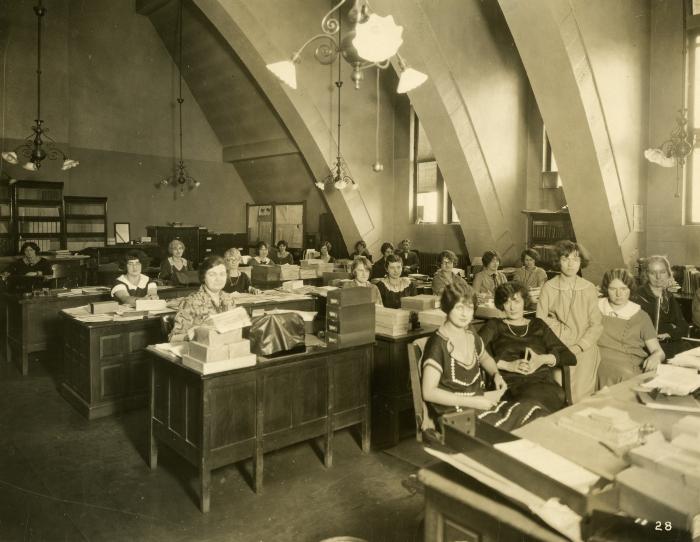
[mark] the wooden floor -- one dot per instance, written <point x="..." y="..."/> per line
<point x="64" y="478"/>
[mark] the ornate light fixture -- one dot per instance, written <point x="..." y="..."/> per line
<point x="39" y="145"/>
<point x="339" y="176"/>
<point x="675" y="150"/>
<point x="372" y="42"/>
<point x="180" y="177"/>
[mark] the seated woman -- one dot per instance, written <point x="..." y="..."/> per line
<point x="452" y="363"/>
<point x="261" y="258"/>
<point x="361" y="250"/>
<point x="209" y="299"/>
<point x="235" y="280"/>
<point x="444" y="275"/>
<point x="133" y="284"/>
<point x="394" y="286"/>
<point x="525" y="350"/>
<point x="282" y="255"/>
<point x="325" y="250"/>
<point x="628" y="344"/>
<point x="379" y="267"/>
<point x="31" y="264"/>
<point x="360" y="270"/>
<point x="174" y="263"/>
<point x="658" y="302"/>
<point x="529" y="275"/>
<point x="486" y="280"/>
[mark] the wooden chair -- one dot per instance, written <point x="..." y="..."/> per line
<point x="562" y="376"/>
<point x="425" y="428"/>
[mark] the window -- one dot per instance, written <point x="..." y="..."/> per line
<point x="431" y="202"/>
<point x="693" y="171"/>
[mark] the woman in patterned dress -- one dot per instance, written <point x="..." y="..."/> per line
<point x="209" y="299"/>
<point x="452" y="362"/>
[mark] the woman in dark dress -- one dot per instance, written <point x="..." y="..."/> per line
<point x="452" y="362"/>
<point x="658" y="302"/>
<point x="236" y="281"/>
<point x="393" y="287"/>
<point x="379" y="267"/>
<point x="175" y="263"/>
<point x="261" y="258"/>
<point x="31" y="264"/>
<point x="282" y="255"/>
<point x="525" y="350"/>
<point x="361" y="250"/>
<point x="325" y="250"/>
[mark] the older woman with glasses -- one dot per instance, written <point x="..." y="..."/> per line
<point x="658" y="302"/>
<point x="628" y="344"/>
<point x="236" y="281"/>
<point x="445" y="275"/>
<point x="174" y="264"/>
<point x="569" y="306"/>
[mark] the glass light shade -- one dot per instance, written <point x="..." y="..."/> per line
<point x="30" y="166"/>
<point x="410" y="79"/>
<point x="69" y="164"/>
<point x="355" y="186"/>
<point x="197" y="184"/>
<point x="10" y="157"/>
<point x="340" y="184"/>
<point x="320" y="185"/>
<point x="657" y="156"/>
<point x="378" y="38"/>
<point x="286" y="71"/>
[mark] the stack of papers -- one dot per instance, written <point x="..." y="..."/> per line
<point x="391" y="322"/>
<point x="672" y="380"/>
<point x="229" y="320"/>
<point x="689" y="358"/>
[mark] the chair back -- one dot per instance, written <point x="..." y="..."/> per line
<point x="562" y="376"/>
<point x="423" y="420"/>
<point x="167" y="322"/>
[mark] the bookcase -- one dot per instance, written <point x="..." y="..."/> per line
<point x="86" y="222"/>
<point x="544" y="229"/>
<point x="37" y="210"/>
<point x="6" y="244"/>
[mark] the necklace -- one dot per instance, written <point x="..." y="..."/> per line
<point x="527" y="327"/>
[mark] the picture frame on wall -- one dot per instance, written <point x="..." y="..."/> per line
<point x="122" y="232"/>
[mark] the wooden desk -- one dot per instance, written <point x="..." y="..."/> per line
<point x="219" y="419"/>
<point x="105" y="368"/>
<point x="33" y="324"/>
<point x="393" y="415"/>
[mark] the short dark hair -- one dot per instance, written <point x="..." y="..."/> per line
<point x="532" y="253"/>
<point x="360" y="243"/>
<point x="326" y="244"/>
<point x="135" y="254"/>
<point x="456" y="292"/>
<point x="261" y="244"/>
<point x="386" y="246"/>
<point x="392" y="258"/>
<point x="564" y="248"/>
<point x="447" y="255"/>
<point x="29" y="244"/>
<point x="358" y="261"/>
<point x="619" y="274"/>
<point x="489" y="256"/>
<point x="507" y="290"/>
<point x="282" y="242"/>
<point x="208" y="263"/>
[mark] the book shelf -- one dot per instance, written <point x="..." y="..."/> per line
<point x="6" y="244"/>
<point x="544" y="230"/>
<point x="37" y="210"/>
<point x="85" y="221"/>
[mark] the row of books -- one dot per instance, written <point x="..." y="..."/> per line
<point x="40" y="227"/>
<point x="30" y="211"/>
<point x="85" y="208"/>
<point x="4" y="209"/>
<point x="39" y="193"/>
<point x="547" y="232"/>
<point x="691" y="280"/>
<point x="85" y="227"/>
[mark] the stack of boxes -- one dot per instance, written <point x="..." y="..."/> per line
<point x="609" y="425"/>
<point x="289" y="272"/>
<point x="349" y="317"/>
<point x="392" y="322"/>
<point x="220" y="347"/>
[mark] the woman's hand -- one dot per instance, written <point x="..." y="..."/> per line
<point x="664" y="336"/>
<point x="510" y="366"/>
<point x="650" y="364"/>
<point x="499" y="382"/>
<point x="481" y="402"/>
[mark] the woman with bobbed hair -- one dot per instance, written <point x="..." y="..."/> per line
<point x="529" y="274"/>
<point x="393" y="287"/>
<point x="360" y="269"/>
<point x="379" y="267"/>
<point x="452" y="363"/>
<point x="261" y="258"/>
<point x="445" y="275"/>
<point x="486" y="280"/>
<point x="361" y="250"/>
<point x="325" y="250"/>
<point x="133" y="284"/>
<point x="174" y="263"/>
<point x="525" y="350"/>
<point x="282" y="256"/>
<point x="658" y="302"/>
<point x="209" y="299"/>
<point x="31" y="264"/>
<point x="569" y="306"/>
<point x="628" y="344"/>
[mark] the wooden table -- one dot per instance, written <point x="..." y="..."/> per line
<point x="218" y="419"/>
<point x="33" y="324"/>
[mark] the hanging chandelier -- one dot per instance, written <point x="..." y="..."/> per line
<point x="39" y="145"/>
<point x="180" y="178"/>
<point x="373" y="41"/>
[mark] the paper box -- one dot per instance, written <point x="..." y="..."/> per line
<point x="151" y="304"/>
<point x="238" y="349"/>
<point x="103" y="307"/>
<point x="210" y="337"/>
<point x="219" y="366"/>
<point x="420" y="302"/>
<point x="346" y="297"/>
<point x="206" y="353"/>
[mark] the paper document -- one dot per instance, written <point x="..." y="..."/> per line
<point x="173" y="348"/>
<point x="229" y="320"/>
<point x="689" y="358"/>
<point x="673" y="380"/>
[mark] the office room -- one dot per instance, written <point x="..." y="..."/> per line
<point x="348" y="270"/>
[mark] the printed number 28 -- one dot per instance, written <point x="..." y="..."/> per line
<point x="665" y="526"/>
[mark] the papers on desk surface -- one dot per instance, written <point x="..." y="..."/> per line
<point x="172" y="348"/>
<point x="689" y="358"/>
<point x="673" y="380"/>
<point x="556" y="515"/>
